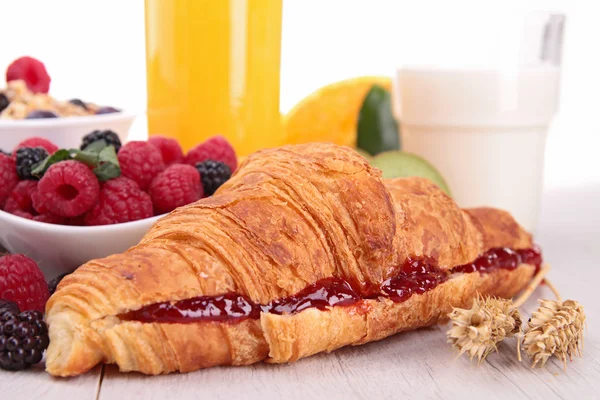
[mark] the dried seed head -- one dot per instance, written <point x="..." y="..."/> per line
<point x="478" y="331"/>
<point x="554" y="329"/>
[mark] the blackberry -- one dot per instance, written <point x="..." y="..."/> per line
<point x="7" y="305"/>
<point x="107" y="110"/>
<point x="3" y="102"/>
<point x="27" y="158"/>
<point x="78" y="102"/>
<point x="23" y="338"/>
<point x="213" y="174"/>
<point x="109" y="136"/>
<point x="39" y="114"/>
<point x="54" y="283"/>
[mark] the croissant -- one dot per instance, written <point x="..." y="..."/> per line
<point x="304" y="250"/>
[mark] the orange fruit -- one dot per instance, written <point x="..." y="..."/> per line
<point x="330" y="114"/>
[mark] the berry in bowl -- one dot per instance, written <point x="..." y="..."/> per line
<point x="64" y="207"/>
<point x="26" y="110"/>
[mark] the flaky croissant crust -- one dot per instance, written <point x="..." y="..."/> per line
<point x="287" y="218"/>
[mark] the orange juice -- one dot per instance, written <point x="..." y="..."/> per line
<point x="213" y="68"/>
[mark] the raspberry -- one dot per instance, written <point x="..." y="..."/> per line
<point x="121" y="183"/>
<point x="32" y="71"/>
<point x="22" y="281"/>
<point x="37" y="142"/>
<point x="23" y="339"/>
<point x="75" y="221"/>
<point x="8" y="177"/>
<point x="47" y="218"/>
<point x="141" y="162"/>
<point x="20" y="198"/>
<point x="216" y="148"/>
<point x="121" y="200"/>
<point x="110" y="137"/>
<point x="27" y="158"/>
<point x="20" y="203"/>
<point x="67" y="189"/>
<point x="50" y="219"/>
<point x="22" y="214"/>
<point x="213" y="174"/>
<point x="177" y="186"/>
<point x="169" y="149"/>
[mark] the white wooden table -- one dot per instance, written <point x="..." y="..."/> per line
<point x="412" y="365"/>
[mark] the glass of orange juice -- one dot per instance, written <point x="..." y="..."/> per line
<point x="213" y="68"/>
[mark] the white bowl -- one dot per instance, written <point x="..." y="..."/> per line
<point x="58" y="248"/>
<point x="64" y="132"/>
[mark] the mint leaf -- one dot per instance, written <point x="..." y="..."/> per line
<point x="107" y="171"/>
<point x="40" y="168"/>
<point x="96" y="147"/>
<point x="102" y="158"/>
<point x="88" y="158"/>
<point x="108" y="154"/>
<point x="108" y="164"/>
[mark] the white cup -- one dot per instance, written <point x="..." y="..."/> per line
<point x="485" y="129"/>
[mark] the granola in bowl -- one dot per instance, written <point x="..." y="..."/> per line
<point x="22" y="102"/>
<point x="26" y="95"/>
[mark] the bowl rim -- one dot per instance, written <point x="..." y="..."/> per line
<point x="44" y="226"/>
<point x="66" y="121"/>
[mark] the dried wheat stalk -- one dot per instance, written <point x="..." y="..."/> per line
<point x="478" y="331"/>
<point x="554" y="329"/>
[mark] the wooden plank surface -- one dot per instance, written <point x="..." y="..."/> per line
<point x="412" y="365"/>
<point x="36" y="384"/>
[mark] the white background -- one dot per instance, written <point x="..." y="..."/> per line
<point x="94" y="50"/>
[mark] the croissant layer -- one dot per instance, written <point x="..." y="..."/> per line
<point x="289" y="217"/>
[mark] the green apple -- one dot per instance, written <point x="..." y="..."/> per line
<point x="399" y="164"/>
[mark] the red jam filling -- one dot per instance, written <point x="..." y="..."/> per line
<point x="324" y="293"/>
<point x="417" y="276"/>
<point x="230" y="306"/>
<point x="502" y="258"/>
